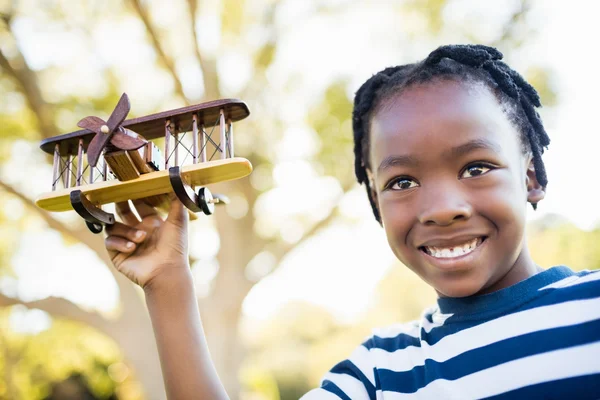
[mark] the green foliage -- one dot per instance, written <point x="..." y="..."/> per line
<point x="400" y="297"/>
<point x="553" y="241"/>
<point x="16" y="120"/>
<point x="232" y="17"/>
<point x="74" y="106"/>
<point x="31" y="363"/>
<point x="264" y="57"/>
<point x="541" y="79"/>
<point x="283" y="347"/>
<point x="331" y="119"/>
<point x="11" y="230"/>
<point x="430" y="12"/>
<point x="263" y="382"/>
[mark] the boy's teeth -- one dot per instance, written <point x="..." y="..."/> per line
<point x="455" y="251"/>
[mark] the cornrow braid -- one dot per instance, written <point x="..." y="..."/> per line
<point x="471" y="63"/>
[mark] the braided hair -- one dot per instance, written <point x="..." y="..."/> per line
<point x="470" y="63"/>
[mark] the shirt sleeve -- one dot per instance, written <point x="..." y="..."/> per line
<point x="351" y="379"/>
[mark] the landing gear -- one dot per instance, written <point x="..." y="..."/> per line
<point x="204" y="201"/>
<point x="95" y="218"/>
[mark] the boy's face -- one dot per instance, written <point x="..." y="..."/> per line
<point x="452" y="185"/>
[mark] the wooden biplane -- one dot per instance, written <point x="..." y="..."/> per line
<point x="125" y="162"/>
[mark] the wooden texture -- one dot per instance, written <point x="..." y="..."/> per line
<point x="142" y="158"/>
<point x="151" y="184"/>
<point x="122" y="165"/>
<point x="129" y="165"/>
<point x="153" y="126"/>
<point x="126" y="139"/>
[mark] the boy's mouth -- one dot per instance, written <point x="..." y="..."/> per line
<point x="454" y="250"/>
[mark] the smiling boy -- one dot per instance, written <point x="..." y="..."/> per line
<point x="449" y="150"/>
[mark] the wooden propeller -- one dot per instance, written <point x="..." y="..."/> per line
<point x="111" y="131"/>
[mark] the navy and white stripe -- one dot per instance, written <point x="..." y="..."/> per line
<point x="537" y="339"/>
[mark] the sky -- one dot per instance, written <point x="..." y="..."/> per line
<point x="349" y="46"/>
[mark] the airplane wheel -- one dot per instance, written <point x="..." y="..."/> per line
<point x="205" y="201"/>
<point x="94" y="227"/>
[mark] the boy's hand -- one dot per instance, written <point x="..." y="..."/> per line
<point x="143" y="250"/>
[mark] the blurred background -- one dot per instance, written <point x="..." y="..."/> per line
<point x="295" y="272"/>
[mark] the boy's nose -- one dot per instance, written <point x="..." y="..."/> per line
<point x="443" y="205"/>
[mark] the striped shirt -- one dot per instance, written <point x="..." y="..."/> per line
<point x="538" y="339"/>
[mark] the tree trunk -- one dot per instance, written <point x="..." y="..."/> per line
<point x="221" y="311"/>
<point x="134" y="335"/>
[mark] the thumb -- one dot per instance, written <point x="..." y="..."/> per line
<point x="178" y="214"/>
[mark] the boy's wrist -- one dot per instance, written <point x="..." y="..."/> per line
<point x="168" y="279"/>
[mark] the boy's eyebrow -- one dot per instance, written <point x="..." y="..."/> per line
<point x="472" y="145"/>
<point x="455" y="152"/>
<point x="397" y="161"/>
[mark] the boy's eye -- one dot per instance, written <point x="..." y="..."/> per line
<point x="475" y="170"/>
<point x="403" y="184"/>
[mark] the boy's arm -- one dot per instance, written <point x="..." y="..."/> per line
<point x="185" y="360"/>
<point x="153" y="253"/>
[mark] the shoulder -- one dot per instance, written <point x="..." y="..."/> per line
<point x="571" y="300"/>
<point x="587" y="278"/>
<point x="577" y="286"/>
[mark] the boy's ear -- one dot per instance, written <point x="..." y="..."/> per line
<point x="535" y="191"/>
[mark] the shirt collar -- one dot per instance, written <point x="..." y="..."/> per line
<point x="511" y="296"/>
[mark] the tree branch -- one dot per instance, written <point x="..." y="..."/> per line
<point x="162" y="55"/>
<point x="57" y="306"/>
<point x="210" y="77"/>
<point x="93" y="242"/>
<point x="79" y="234"/>
<point x="508" y="33"/>
<point x="52" y="223"/>
<point x="28" y="85"/>
<point x="283" y="250"/>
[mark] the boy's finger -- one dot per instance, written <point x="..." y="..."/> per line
<point x="117" y="243"/>
<point x="126" y="232"/>
<point x="125" y="213"/>
<point x="144" y="209"/>
<point x="177" y="213"/>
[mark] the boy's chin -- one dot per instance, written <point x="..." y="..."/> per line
<point x="459" y="289"/>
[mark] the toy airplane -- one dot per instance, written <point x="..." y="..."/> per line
<point x="124" y="163"/>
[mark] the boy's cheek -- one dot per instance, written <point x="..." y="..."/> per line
<point x="504" y="203"/>
<point x="501" y="192"/>
<point x="397" y="221"/>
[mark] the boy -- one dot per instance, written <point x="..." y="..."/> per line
<point x="449" y="150"/>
